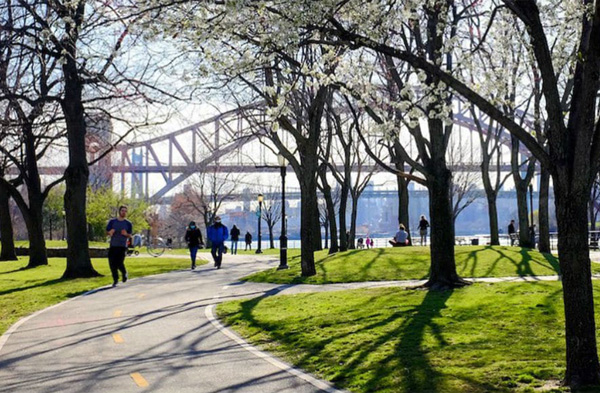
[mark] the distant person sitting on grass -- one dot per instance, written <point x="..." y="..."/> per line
<point x="401" y="238"/>
<point x="360" y="243"/>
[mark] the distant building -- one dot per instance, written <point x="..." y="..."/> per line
<point x="98" y="140"/>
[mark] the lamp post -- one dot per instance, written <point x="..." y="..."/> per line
<point x="531" y="227"/>
<point x="64" y="217"/>
<point x="531" y="203"/>
<point x="260" y="201"/>
<point x="283" y="237"/>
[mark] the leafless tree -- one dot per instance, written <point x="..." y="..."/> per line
<point x="207" y="191"/>
<point x="7" y="252"/>
<point x="80" y="54"/>
<point x="28" y="90"/>
<point x="465" y="182"/>
<point x="271" y="210"/>
<point x="491" y="163"/>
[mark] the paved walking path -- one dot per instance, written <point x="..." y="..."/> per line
<point x="157" y="333"/>
<point x="151" y="333"/>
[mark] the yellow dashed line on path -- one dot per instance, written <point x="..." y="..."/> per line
<point x="139" y="380"/>
<point x="117" y="313"/>
<point x="118" y="339"/>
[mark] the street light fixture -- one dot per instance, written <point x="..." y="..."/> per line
<point x="531" y="226"/>
<point x="260" y="201"/>
<point x="283" y="238"/>
<point x="64" y="217"/>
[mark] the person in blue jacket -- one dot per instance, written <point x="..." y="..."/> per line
<point x="217" y="233"/>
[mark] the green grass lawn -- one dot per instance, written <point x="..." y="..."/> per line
<point x="23" y="291"/>
<point x="58" y="243"/>
<point x="484" y="338"/>
<point x="382" y="264"/>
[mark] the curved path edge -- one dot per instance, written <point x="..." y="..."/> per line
<point x="208" y="311"/>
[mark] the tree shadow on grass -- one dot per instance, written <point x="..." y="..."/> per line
<point x="553" y="261"/>
<point x="21" y="269"/>
<point x="524" y="266"/>
<point x="472" y="258"/>
<point x="42" y="284"/>
<point x="405" y="367"/>
<point x="366" y="268"/>
<point x="410" y="358"/>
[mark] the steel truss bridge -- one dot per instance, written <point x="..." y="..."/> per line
<point x="228" y="142"/>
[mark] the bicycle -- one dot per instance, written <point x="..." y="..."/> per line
<point x="156" y="246"/>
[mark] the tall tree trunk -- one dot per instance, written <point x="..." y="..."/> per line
<point x="330" y="209"/>
<point x="353" y="215"/>
<point x="34" y="217"/>
<point x="344" y="192"/>
<point x="403" y="202"/>
<point x="521" y="185"/>
<point x="35" y="232"/>
<point x="574" y="259"/>
<point x="6" y="229"/>
<point x="443" y="267"/>
<point x="493" y="218"/>
<point x="308" y="211"/>
<point x="491" y="193"/>
<point x="326" y="227"/>
<point x="271" y="242"/>
<point x="523" y="215"/>
<point x="50" y="226"/>
<point x="592" y="215"/>
<point x="543" y="214"/>
<point x="76" y="176"/>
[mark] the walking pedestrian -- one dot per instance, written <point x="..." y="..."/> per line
<point x="217" y="233"/>
<point x="368" y="242"/>
<point x="193" y="237"/>
<point x="119" y="229"/>
<point x="423" y="225"/>
<point x="235" y="237"/>
<point x="248" y="239"/>
<point x="512" y="233"/>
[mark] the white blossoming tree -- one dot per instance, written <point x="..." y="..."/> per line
<point x="572" y="131"/>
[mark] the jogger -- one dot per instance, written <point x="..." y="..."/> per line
<point x="119" y="229"/>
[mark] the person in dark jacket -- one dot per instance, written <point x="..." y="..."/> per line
<point x="423" y="225"/>
<point x="217" y="233"/>
<point x="119" y="230"/>
<point x="235" y="237"/>
<point x="512" y="232"/>
<point x="193" y="237"/>
<point x="248" y="239"/>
